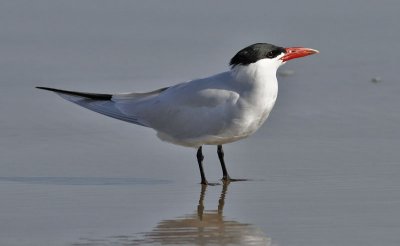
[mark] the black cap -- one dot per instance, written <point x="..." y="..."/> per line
<point x="256" y="52"/>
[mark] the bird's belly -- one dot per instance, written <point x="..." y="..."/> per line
<point x="244" y="121"/>
<point x="251" y="120"/>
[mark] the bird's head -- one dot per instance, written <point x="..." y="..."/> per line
<point x="269" y="54"/>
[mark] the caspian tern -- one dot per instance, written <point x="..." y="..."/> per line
<point x="216" y="110"/>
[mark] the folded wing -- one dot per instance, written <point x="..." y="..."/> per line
<point x="102" y="103"/>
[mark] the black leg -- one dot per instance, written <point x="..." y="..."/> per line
<point x="200" y="159"/>
<point x="220" y="151"/>
<point x="225" y="175"/>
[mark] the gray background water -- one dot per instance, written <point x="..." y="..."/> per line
<point x="325" y="166"/>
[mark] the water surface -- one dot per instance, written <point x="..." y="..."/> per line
<point x="323" y="170"/>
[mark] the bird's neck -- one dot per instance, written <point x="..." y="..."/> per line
<point x="257" y="79"/>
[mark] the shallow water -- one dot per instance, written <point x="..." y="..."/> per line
<point x="323" y="170"/>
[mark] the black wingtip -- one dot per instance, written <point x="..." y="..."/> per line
<point x="46" y="88"/>
<point x="94" y="96"/>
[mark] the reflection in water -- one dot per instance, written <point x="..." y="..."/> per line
<point x="204" y="227"/>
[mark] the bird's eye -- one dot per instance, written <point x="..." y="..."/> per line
<point x="270" y="54"/>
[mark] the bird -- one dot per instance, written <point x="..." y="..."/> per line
<point x="214" y="110"/>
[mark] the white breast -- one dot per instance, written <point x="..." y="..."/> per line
<point x="259" y="93"/>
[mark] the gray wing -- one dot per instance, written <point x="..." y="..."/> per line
<point x="103" y="103"/>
